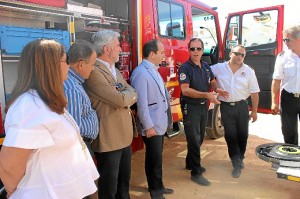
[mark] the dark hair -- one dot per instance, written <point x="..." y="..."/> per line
<point x="80" y="50"/>
<point x="40" y="69"/>
<point x="150" y="46"/>
<point x="196" y="39"/>
<point x="239" y="45"/>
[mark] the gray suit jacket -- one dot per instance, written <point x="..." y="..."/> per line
<point x="151" y="104"/>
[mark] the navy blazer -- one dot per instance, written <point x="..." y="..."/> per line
<point x="152" y="111"/>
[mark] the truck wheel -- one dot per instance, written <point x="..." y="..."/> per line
<point x="214" y="128"/>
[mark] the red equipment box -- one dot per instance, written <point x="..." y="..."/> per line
<point x="55" y="3"/>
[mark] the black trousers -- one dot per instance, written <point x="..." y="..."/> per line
<point x="194" y="121"/>
<point x="235" y="119"/>
<point x="153" y="164"/>
<point x="290" y="114"/>
<point x="115" y="170"/>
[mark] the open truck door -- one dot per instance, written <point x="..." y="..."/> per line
<point x="260" y="31"/>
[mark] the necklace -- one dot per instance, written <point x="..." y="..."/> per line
<point x="70" y="119"/>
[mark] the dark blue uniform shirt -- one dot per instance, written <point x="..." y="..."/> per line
<point x="198" y="78"/>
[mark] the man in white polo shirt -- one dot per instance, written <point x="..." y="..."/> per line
<point x="239" y="80"/>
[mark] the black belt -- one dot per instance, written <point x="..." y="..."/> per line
<point x="233" y="103"/>
<point x="296" y="95"/>
<point x="88" y="140"/>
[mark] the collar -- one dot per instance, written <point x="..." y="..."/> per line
<point x="106" y="64"/>
<point x="195" y="65"/>
<point x="76" y="76"/>
<point x="149" y="63"/>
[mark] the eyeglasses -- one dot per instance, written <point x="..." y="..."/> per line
<point x="193" y="49"/>
<point x="287" y="40"/>
<point x="239" y="54"/>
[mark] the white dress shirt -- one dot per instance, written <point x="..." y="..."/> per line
<point x="57" y="168"/>
<point x="239" y="85"/>
<point x="287" y="69"/>
<point x="111" y="68"/>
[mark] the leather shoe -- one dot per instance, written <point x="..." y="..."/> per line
<point x="236" y="173"/>
<point x="242" y="165"/>
<point x="199" y="179"/>
<point x="203" y="170"/>
<point x="167" y="191"/>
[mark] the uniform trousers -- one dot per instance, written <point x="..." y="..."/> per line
<point x="235" y="118"/>
<point x="194" y="121"/>
<point x="290" y="114"/>
<point x="115" y="170"/>
<point x="153" y="164"/>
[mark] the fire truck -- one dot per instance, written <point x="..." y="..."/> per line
<point x="174" y="22"/>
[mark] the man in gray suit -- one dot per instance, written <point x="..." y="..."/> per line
<point x="152" y="110"/>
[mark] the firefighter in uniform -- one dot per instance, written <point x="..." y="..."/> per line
<point x="287" y="76"/>
<point x="196" y="78"/>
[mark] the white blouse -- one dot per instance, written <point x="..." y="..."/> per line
<point x="57" y="168"/>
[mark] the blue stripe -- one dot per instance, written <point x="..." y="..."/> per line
<point x="79" y="105"/>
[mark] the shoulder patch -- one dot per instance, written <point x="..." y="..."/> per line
<point x="182" y="76"/>
<point x="282" y="53"/>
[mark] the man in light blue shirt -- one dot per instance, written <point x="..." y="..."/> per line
<point x="82" y="58"/>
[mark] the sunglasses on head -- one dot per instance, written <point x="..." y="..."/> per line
<point x="239" y="54"/>
<point x="286" y="40"/>
<point x="193" y="49"/>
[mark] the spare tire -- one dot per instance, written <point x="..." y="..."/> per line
<point x="278" y="152"/>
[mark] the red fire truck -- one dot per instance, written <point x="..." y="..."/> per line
<point x="174" y="22"/>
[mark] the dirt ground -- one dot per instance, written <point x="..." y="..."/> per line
<point x="257" y="181"/>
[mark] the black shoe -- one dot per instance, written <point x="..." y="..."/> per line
<point x="202" y="169"/>
<point x="167" y="191"/>
<point x="199" y="179"/>
<point x="242" y="165"/>
<point x="236" y="172"/>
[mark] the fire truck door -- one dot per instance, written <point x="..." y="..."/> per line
<point x="260" y="31"/>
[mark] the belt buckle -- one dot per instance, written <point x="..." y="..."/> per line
<point x="231" y="103"/>
<point x="297" y="95"/>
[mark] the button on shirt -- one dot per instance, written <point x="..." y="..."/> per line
<point x="198" y="78"/>
<point x="287" y="69"/>
<point x="79" y="105"/>
<point x="239" y="85"/>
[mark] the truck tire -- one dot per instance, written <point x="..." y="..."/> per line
<point x="214" y="128"/>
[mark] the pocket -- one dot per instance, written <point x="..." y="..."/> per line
<point x="289" y="69"/>
<point x="242" y="82"/>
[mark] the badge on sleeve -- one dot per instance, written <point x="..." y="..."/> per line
<point x="182" y="76"/>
